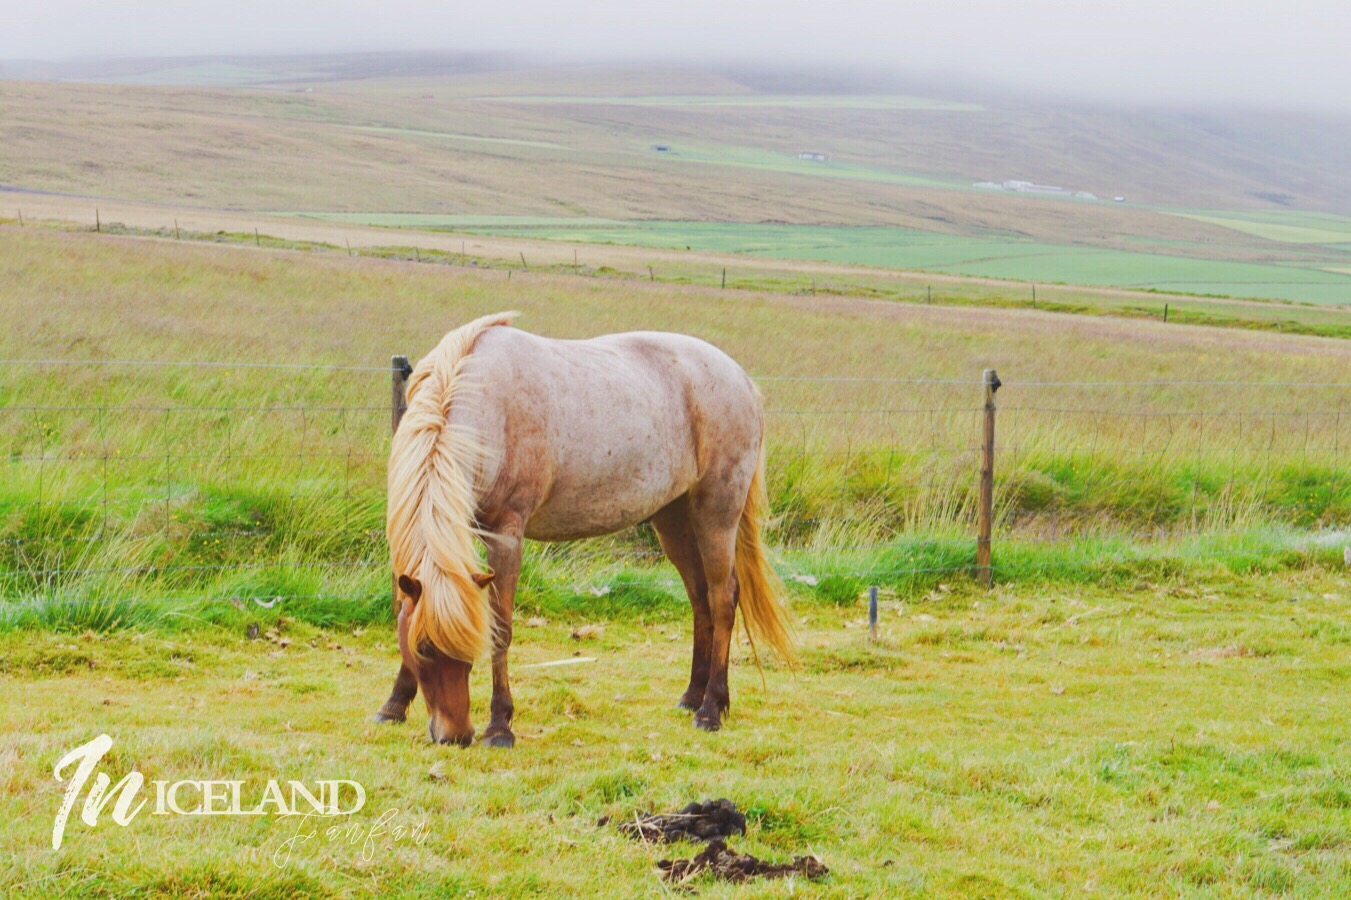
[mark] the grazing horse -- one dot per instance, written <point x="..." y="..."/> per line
<point x="510" y="436"/>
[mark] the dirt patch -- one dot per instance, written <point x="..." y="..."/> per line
<point x="705" y="821"/>
<point x="728" y="865"/>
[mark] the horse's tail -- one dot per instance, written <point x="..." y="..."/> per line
<point x="760" y="592"/>
<point x="430" y="522"/>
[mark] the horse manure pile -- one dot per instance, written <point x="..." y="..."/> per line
<point x="712" y="821"/>
<point x="696" y="822"/>
<point x="728" y="865"/>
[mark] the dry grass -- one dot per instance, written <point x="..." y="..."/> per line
<point x="282" y="470"/>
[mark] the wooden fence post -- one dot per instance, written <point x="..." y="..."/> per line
<point x="400" y="369"/>
<point x="985" y="522"/>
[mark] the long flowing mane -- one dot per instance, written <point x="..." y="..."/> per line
<point x="430" y="522"/>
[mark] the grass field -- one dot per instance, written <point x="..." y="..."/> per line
<point x="161" y="482"/>
<point x="1180" y="738"/>
<point x="1149" y="700"/>
<point x="994" y="256"/>
<point x="895" y="191"/>
<point x="1124" y="717"/>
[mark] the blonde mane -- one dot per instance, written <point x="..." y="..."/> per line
<point x="430" y="521"/>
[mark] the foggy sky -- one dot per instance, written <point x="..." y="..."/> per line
<point x="1259" y="52"/>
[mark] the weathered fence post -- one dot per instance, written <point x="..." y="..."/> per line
<point x="985" y="522"/>
<point x="872" y="612"/>
<point x="400" y="369"/>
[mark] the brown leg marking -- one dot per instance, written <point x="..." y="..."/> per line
<point x="715" y="512"/>
<point x="396" y="707"/>
<point x="673" y="529"/>
<point x="504" y="556"/>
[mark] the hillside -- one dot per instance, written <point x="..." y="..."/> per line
<point x="468" y="139"/>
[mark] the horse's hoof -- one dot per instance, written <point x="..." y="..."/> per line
<point x="687" y="704"/>
<point x="503" y="739"/>
<point x="383" y="718"/>
<point x="704" y="723"/>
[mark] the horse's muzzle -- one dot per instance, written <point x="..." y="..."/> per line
<point x="447" y="736"/>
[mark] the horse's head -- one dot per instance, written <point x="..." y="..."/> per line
<point x="443" y="679"/>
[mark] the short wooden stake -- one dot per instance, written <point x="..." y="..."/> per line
<point x="928" y="294"/>
<point x="985" y="499"/>
<point x="872" y="612"/>
<point x="1165" y="312"/>
<point x="176" y="234"/>
<point x="349" y="246"/>
<point x="257" y="241"/>
<point x="417" y="254"/>
<point x="524" y="264"/>
<point x="724" y="279"/>
<point x="20" y="212"/>
<point x="651" y="276"/>
<point x="98" y="223"/>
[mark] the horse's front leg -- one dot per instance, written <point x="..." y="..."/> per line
<point x="504" y="556"/>
<point x="396" y="707"/>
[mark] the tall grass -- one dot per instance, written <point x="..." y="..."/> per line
<point x="176" y="484"/>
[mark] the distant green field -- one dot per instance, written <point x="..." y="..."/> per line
<point x="770" y="161"/>
<point x="1283" y="227"/>
<point x="995" y="256"/>
<point x="453" y="136"/>
<point x="723" y="101"/>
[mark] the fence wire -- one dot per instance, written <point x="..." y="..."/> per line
<point x="175" y="488"/>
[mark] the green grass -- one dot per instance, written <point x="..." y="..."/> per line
<point x="1282" y="227"/>
<point x="166" y="484"/>
<point x="1176" y="735"/>
<point x="452" y="136"/>
<point x="993" y="256"/>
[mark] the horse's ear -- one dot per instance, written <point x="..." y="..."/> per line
<point x="411" y="587"/>
<point x="483" y="579"/>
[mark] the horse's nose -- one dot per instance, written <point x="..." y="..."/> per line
<point x="442" y="734"/>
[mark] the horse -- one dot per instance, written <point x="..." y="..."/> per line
<point x="510" y="436"/>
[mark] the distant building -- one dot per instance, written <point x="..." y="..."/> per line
<point x="1029" y="187"/>
<point x="813" y="156"/>
<point x="662" y="148"/>
<point x="1118" y="199"/>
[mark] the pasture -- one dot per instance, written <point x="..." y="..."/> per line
<point x="574" y="144"/>
<point x="1313" y="280"/>
<point x="1146" y="701"/>
<point x="1176" y="737"/>
<point x="171" y="482"/>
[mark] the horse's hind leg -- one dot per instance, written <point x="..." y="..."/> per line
<point x="673" y="529"/>
<point x="405" y="689"/>
<point x="715" y="514"/>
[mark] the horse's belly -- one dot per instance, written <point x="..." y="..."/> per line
<point x="613" y="485"/>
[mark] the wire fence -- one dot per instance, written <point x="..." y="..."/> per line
<point x="250" y="482"/>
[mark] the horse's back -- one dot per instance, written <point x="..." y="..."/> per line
<point x="606" y="430"/>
